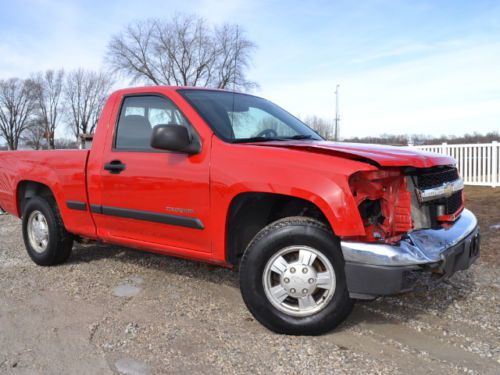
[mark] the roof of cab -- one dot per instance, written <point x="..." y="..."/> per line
<point x="149" y="89"/>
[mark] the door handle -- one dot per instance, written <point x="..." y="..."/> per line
<point x="115" y="166"/>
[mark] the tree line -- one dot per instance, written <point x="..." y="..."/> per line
<point x="425" y="139"/>
<point x="326" y="129"/>
<point x="31" y="109"/>
<point x="184" y="50"/>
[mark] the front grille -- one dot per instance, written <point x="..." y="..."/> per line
<point x="453" y="203"/>
<point x="436" y="177"/>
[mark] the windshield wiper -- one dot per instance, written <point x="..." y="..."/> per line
<point x="300" y="136"/>
<point x="257" y="139"/>
<point x="268" y="139"/>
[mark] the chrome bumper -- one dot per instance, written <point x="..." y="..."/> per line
<point x="418" y="247"/>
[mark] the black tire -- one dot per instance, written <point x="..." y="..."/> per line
<point x="60" y="241"/>
<point x="278" y="235"/>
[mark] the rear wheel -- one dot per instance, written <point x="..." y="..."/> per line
<point x="45" y="238"/>
<point x="292" y="278"/>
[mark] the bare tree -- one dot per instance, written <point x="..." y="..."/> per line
<point x="321" y="126"/>
<point x="48" y="88"/>
<point x="17" y="106"/>
<point x="183" y="51"/>
<point x="85" y="93"/>
<point x="34" y="135"/>
<point x="234" y="56"/>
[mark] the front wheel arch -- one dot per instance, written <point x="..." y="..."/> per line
<point x="250" y="212"/>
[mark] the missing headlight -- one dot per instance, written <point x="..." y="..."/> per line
<point x="371" y="212"/>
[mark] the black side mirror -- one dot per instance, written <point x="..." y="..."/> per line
<point x="174" y="138"/>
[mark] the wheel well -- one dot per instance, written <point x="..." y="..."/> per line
<point x="29" y="189"/>
<point x="250" y="212"/>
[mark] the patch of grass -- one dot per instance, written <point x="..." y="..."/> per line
<point x="485" y="203"/>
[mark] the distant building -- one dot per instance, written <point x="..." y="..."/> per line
<point x="86" y="141"/>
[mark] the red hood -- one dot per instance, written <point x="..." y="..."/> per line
<point x="385" y="156"/>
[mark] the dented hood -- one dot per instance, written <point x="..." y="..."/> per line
<point x="384" y="156"/>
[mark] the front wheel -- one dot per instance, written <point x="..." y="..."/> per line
<point x="292" y="278"/>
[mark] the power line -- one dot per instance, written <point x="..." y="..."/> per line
<point x="337" y="117"/>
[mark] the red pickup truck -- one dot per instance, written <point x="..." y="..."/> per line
<point x="233" y="179"/>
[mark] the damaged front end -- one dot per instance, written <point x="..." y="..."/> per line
<point x="416" y="230"/>
<point x="384" y="203"/>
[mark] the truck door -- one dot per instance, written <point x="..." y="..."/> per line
<point x="149" y="196"/>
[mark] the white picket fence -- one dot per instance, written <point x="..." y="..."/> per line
<point x="478" y="164"/>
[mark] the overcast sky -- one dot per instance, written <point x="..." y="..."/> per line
<point x="424" y="67"/>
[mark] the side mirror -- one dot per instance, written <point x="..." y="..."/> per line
<point x="174" y="138"/>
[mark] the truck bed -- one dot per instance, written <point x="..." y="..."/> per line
<point x="63" y="170"/>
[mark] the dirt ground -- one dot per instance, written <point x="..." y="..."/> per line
<point x="111" y="310"/>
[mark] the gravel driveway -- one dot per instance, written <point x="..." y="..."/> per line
<point x="112" y="310"/>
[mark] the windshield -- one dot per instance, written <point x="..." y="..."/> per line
<point x="246" y="118"/>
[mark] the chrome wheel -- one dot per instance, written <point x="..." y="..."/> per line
<point x="38" y="231"/>
<point x="299" y="280"/>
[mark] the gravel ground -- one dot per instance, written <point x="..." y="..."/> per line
<point x="111" y="310"/>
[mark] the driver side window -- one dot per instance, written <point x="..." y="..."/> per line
<point x="138" y="116"/>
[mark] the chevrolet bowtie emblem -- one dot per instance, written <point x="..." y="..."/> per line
<point x="444" y="191"/>
<point x="448" y="189"/>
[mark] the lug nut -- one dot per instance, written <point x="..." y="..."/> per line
<point x="286" y="280"/>
<point x="304" y="270"/>
<point x="311" y="281"/>
<point x="292" y="290"/>
<point x="292" y="270"/>
<point x="304" y="291"/>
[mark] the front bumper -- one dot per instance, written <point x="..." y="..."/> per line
<point x="422" y="257"/>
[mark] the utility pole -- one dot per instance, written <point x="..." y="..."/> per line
<point x="337" y="117"/>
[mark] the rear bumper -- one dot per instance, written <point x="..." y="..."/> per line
<point x="423" y="257"/>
